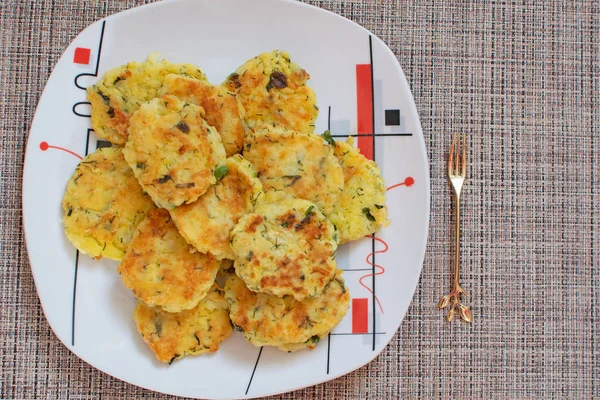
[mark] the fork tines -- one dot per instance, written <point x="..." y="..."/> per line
<point x="457" y="162"/>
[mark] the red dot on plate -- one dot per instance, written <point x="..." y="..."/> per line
<point x="44" y="146"/>
<point x="409" y="181"/>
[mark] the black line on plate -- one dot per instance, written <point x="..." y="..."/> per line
<point x="74" y="297"/>
<point x="372" y="94"/>
<point x="254" y="370"/>
<point x="328" y="350"/>
<point x="87" y="140"/>
<point x="79" y="114"/>
<point x="357" y="269"/>
<point x="356" y="334"/>
<point x="97" y="59"/>
<point x="329" y="335"/>
<point x="374" y="134"/>
<point x="373" y="130"/>
<point x="87" y="144"/>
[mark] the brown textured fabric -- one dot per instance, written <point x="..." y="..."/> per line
<point x="523" y="79"/>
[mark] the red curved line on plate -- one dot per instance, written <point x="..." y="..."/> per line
<point x="408" y="182"/>
<point x="45" y="146"/>
<point x="370" y="262"/>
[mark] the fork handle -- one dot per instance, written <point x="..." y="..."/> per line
<point x="457" y="244"/>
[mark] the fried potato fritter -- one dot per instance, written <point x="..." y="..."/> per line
<point x="173" y="151"/>
<point x="296" y="164"/>
<point x="160" y="268"/>
<point x="273" y="90"/>
<point x="306" y="345"/>
<point x="268" y="320"/>
<point x="103" y="204"/>
<point x="220" y="105"/>
<point x="285" y="248"/>
<point x="123" y="89"/>
<point x="360" y="208"/>
<point x="175" y="335"/>
<point x="207" y="223"/>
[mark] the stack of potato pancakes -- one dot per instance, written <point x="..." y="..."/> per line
<point x="225" y="181"/>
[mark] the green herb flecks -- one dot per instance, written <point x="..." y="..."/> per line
<point x="367" y="212"/>
<point x="294" y="179"/>
<point x="342" y="286"/>
<point x="278" y="80"/>
<point x="378" y="206"/>
<point x="164" y="179"/>
<point x="254" y="200"/>
<point x="220" y="172"/>
<point x="158" y="325"/>
<point x="327" y="137"/>
<point x="234" y="78"/>
<point x="307" y="323"/>
<point x="175" y="357"/>
<point x="307" y="217"/>
<point x="185" y="185"/>
<point x="183" y="127"/>
<point x="105" y="98"/>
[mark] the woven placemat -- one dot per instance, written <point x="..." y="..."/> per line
<point x="523" y="79"/>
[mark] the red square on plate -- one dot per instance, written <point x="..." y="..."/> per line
<point x="82" y="55"/>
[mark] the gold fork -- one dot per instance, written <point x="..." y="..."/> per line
<point x="457" y="168"/>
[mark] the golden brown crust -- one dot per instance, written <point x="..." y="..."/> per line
<point x="161" y="269"/>
<point x="285" y="248"/>
<point x="173" y="151"/>
<point x="103" y="204"/>
<point x="220" y="105"/>
<point x="296" y="164"/>
<point x="272" y="89"/>
<point x="282" y="321"/>
<point x="121" y="90"/>
<point x="174" y="335"/>
<point x="207" y="223"/>
<point x="360" y="209"/>
<point x="306" y="345"/>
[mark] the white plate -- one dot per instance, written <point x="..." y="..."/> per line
<point x="84" y="300"/>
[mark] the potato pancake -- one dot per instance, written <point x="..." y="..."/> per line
<point x="103" y="204"/>
<point x="173" y="151"/>
<point x="268" y="320"/>
<point x="161" y="269"/>
<point x="207" y="223"/>
<point x="121" y="91"/>
<point x="175" y="335"/>
<point x="273" y="90"/>
<point x="220" y="105"/>
<point x="297" y="164"/>
<point x="285" y="248"/>
<point x="360" y="208"/>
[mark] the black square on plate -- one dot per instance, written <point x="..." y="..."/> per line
<point x="392" y="117"/>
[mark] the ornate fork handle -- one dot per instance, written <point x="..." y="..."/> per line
<point x="457" y="165"/>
